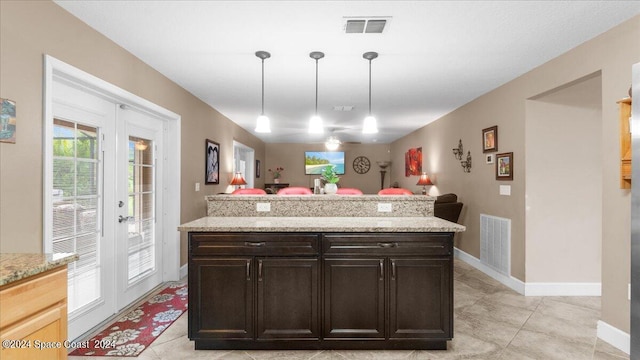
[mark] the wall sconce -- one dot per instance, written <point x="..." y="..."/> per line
<point x="466" y="164"/>
<point x="457" y="152"/>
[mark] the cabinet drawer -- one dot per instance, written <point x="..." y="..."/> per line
<point x="389" y="244"/>
<point x="265" y="244"/>
<point x="23" y="300"/>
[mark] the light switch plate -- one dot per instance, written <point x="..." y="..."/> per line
<point x="384" y="207"/>
<point x="197" y="186"/>
<point x="505" y="190"/>
<point x="263" y="207"/>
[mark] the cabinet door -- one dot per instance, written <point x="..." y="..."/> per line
<point x="221" y="298"/>
<point x="354" y="298"/>
<point x="420" y="299"/>
<point x="287" y="298"/>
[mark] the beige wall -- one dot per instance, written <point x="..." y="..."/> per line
<point x="291" y="158"/>
<point x="564" y="184"/>
<point x="612" y="54"/>
<point x="30" y="29"/>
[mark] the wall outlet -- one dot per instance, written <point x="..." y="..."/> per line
<point x="197" y="186"/>
<point x="384" y="207"/>
<point x="263" y="207"/>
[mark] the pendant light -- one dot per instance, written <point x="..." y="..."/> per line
<point x="262" y="123"/>
<point x="315" y="124"/>
<point x="370" y="126"/>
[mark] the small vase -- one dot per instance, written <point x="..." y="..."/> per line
<point x="330" y="188"/>
<point x="276" y="181"/>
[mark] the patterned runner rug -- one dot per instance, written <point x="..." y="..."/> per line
<point x="136" y="330"/>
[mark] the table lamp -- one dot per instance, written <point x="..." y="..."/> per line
<point x="238" y="180"/>
<point x="424" y="181"/>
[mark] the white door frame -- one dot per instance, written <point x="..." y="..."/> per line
<point x="171" y="190"/>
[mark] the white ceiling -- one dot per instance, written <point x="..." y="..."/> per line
<point x="434" y="55"/>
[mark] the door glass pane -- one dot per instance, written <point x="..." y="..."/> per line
<point x="141" y="201"/>
<point x="75" y="212"/>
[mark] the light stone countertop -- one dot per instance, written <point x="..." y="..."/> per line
<point x="18" y="266"/>
<point x="322" y="224"/>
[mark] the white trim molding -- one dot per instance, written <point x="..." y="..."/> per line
<point x="509" y="281"/>
<point x="563" y="289"/>
<point x="184" y="270"/>
<point x="531" y="288"/>
<point x="614" y="336"/>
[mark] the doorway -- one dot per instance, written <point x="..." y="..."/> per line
<point x="109" y="192"/>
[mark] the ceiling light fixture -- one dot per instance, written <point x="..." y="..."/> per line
<point x="262" y="123"/>
<point x="370" y="126"/>
<point x="332" y="143"/>
<point x="315" y="124"/>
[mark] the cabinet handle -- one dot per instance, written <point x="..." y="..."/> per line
<point x="259" y="270"/>
<point x="387" y="245"/>
<point x="254" y="244"/>
<point x="393" y="269"/>
<point x="248" y="270"/>
<point x="381" y="270"/>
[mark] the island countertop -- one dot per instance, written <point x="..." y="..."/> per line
<point x="18" y="266"/>
<point x="322" y="224"/>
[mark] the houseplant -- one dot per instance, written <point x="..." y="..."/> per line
<point x="331" y="178"/>
<point x="277" y="173"/>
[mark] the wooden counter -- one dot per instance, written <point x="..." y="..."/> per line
<point x="33" y="304"/>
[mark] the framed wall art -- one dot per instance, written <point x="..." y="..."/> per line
<point x="212" y="162"/>
<point x="489" y="158"/>
<point x="7" y="121"/>
<point x="490" y="139"/>
<point x="413" y="162"/>
<point x="504" y="166"/>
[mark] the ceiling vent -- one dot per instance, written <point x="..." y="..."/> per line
<point x="343" y="108"/>
<point x="361" y="25"/>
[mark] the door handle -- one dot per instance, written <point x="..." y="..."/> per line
<point x="259" y="270"/>
<point x="381" y="270"/>
<point x="393" y="269"/>
<point x="122" y="219"/>
<point x="248" y="270"/>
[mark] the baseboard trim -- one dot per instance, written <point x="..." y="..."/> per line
<point x="563" y="289"/>
<point x="509" y="281"/>
<point x="531" y="289"/>
<point x="184" y="270"/>
<point x="614" y="336"/>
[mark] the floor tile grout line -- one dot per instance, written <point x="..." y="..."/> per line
<point x="522" y="326"/>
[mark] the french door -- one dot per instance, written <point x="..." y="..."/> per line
<point x="106" y="169"/>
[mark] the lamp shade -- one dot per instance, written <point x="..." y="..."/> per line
<point x="370" y="125"/>
<point x="315" y="125"/>
<point x="424" y="180"/>
<point x="263" y="125"/>
<point x="238" y="179"/>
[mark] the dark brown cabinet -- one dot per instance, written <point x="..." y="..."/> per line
<point x="354" y="298"/>
<point x="320" y="291"/>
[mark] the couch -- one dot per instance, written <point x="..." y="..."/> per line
<point x="447" y="207"/>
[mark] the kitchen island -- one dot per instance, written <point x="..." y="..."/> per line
<point x="332" y="282"/>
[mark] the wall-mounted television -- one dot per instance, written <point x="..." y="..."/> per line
<point x="315" y="161"/>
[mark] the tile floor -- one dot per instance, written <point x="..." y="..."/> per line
<point x="490" y="322"/>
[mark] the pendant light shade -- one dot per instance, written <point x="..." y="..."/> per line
<point x="370" y="125"/>
<point x="262" y="123"/>
<point x="315" y="124"/>
<point x="332" y="143"/>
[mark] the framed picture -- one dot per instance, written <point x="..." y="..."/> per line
<point x="413" y="162"/>
<point x="489" y="158"/>
<point x="257" y="169"/>
<point x="212" y="162"/>
<point x="7" y="121"/>
<point x="490" y="139"/>
<point x="504" y="166"/>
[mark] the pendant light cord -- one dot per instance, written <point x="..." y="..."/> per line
<point x="316" y="86"/>
<point x="263" y="88"/>
<point x="369" y="87"/>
